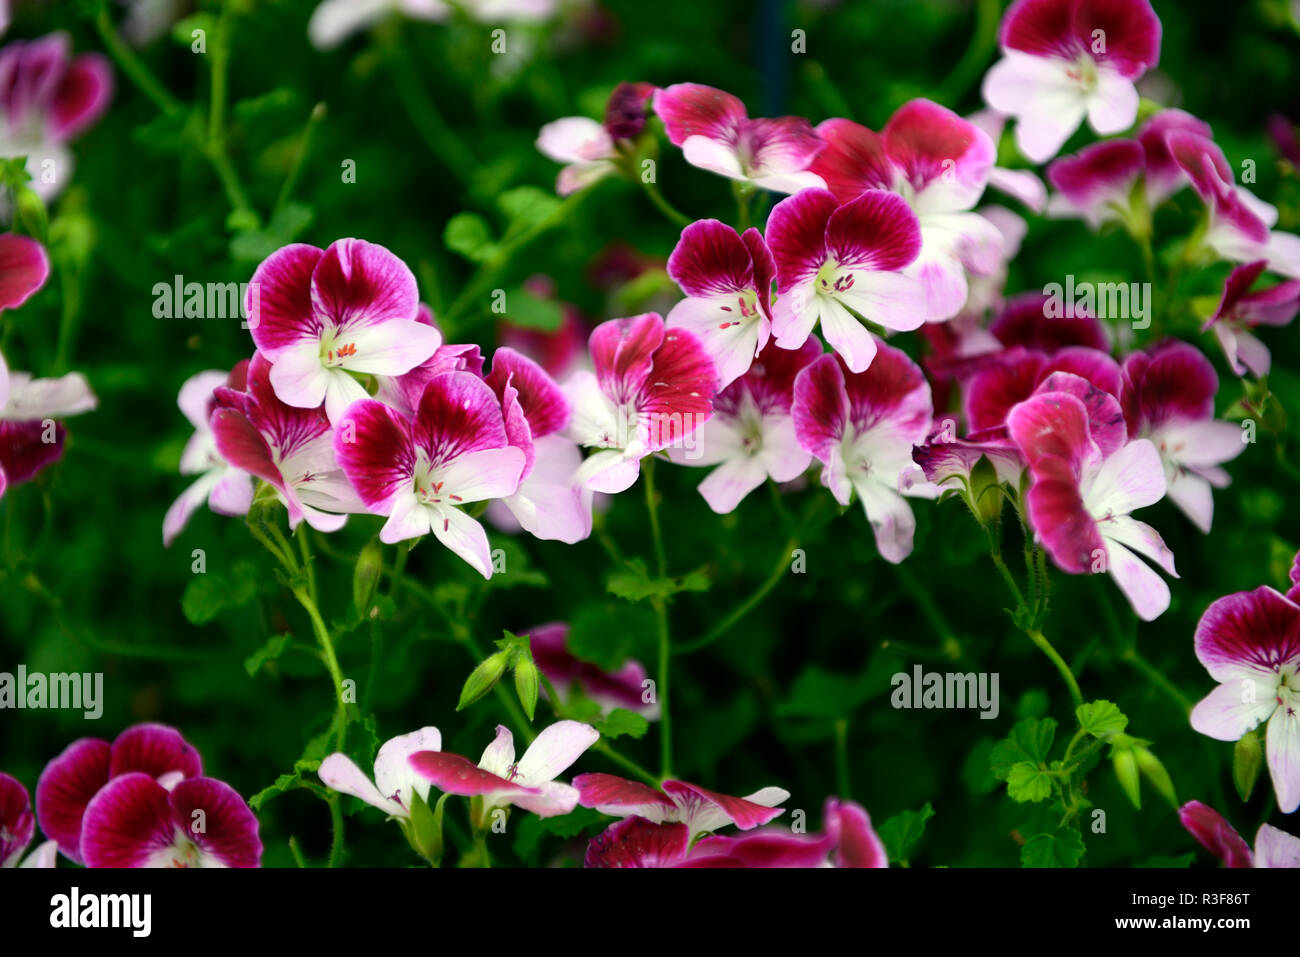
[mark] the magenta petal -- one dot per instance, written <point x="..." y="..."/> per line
<point x="374" y="449"/>
<point x="17" y="824"/>
<point x="24" y="267"/>
<point x="623" y="353"/>
<point x="782" y="144"/>
<point x="615" y="795"/>
<point x="361" y="283"/>
<point x="457" y="774"/>
<point x="82" y="96"/>
<point x="1023" y="321"/>
<point x="796" y="234"/>
<point x="1173" y="382"/>
<point x="1105" y="419"/>
<point x="1098" y="173"/>
<point x="1215" y="834"/>
<point x="518" y="433"/>
<point x="458" y="413"/>
<point x="637" y="842"/>
<point x="540" y="397"/>
<point x="1041" y="27"/>
<point x="66" y="786"/>
<point x="858" y="844"/>
<point x="692" y="109"/>
<point x="24" y="451"/>
<point x="878" y="230"/>
<point x="710" y="259"/>
<point x="155" y="750"/>
<point x="679" y="391"/>
<point x="893" y="388"/>
<point x="1132" y="32"/>
<point x="994" y="390"/>
<point x="127" y="822"/>
<point x="821" y="407"/>
<point x="770" y="848"/>
<point x="744" y="814"/>
<point x="770" y="379"/>
<point x="243" y="446"/>
<point x="764" y="267"/>
<point x="929" y="142"/>
<point x="1095" y="366"/>
<point x="853" y="161"/>
<point x="280" y="299"/>
<point x="1258" y="629"/>
<point x="229" y="832"/>
<point x="1163" y="175"/>
<point x="1202" y="161"/>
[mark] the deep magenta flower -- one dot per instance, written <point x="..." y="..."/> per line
<point x="201" y="822"/>
<point x="1249" y="642"/>
<point x="1168" y="397"/>
<point x="418" y="472"/>
<point x="227" y="490"/>
<point x="839" y="265"/>
<point x="18" y="826"/>
<point x="862" y="427"/>
<point x="751" y="436"/>
<point x="289" y="447"/>
<point x="1087" y="478"/>
<point x="679" y="802"/>
<point x="727" y="279"/>
<point x="624" y="688"/>
<point x="715" y="133"/>
<point x="47" y="98"/>
<point x="1241" y="312"/>
<point x="1063" y="60"/>
<point x="321" y="315"/>
<point x="939" y="164"/>
<point x="394" y="783"/>
<point x="1273" y="848"/>
<point x="652" y="388"/>
<point x="500" y="780"/>
<point x="71" y="781"/>
<point x="1013" y="375"/>
<point x="1096" y="184"/>
<point x="1162" y="175"/>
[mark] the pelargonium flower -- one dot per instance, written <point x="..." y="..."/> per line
<point x="1015" y="374"/>
<point x="949" y="461"/>
<point x="624" y="688"/>
<point x="1168" y="397"/>
<point x="226" y="489"/>
<point x="862" y="427"/>
<point x="30" y="438"/>
<point x="201" y="822"/>
<point x="652" y="388"/>
<point x="551" y="502"/>
<point x="1240" y="224"/>
<point x="679" y="802"/>
<point x="1241" y="312"/>
<point x="47" y="98"/>
<point x="1096" y="184"/>
<point x="87" y="765"/>
<point x="1273" y="848"/>
<point x="1162" y="176"/>
<point x="715" y="133"/>
<point x="18" y="826"/>
<point x="418" y="472"/>
<point x="1087" y="479"/>
<point x="727" y="279"/>
<point x="291" y="448"/>
<point x="836" y="264"/>
<point x="1063" y="60"/>
<point x="1023" y="320"/>
<point x="333" y="21"/>
<point x="394" y="781"/>
<point x="583" y="145"/>
<point x="939" y="164"/>
<point x="751" y="436"/>
<point x="319" y="316"/>
<point x="500" y="780"/>
<point x="1249" y="642"/>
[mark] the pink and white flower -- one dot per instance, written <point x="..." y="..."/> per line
<point x="842" y="265"/>
<point x="1096" y="184"/>
<point x="1168" y="397"/>
<point x="624" y="688"/>
<point x="333" y="21"/>
<point x="1273" y="847"/>
<point x="71" y="781"/>
<point x="1063" y="60"/>
<point x="226" y="489"/>
<point x="30" y="436"/>
<point x="289" y="447"/>
<point x="862" y="427"/>
<point x="715" y="133"/>
<point x="1249" y="642"/>
<point x="1162" y="175"/>
<point x="939" y="164"/>
<point x="1087" y="479"/>
<point x="394" y="782"/>
<point x="499" y="780"/>
<point x="48" y="97"/>
<point x="1241" y="312"/>
<point x="18" y="826"/>
<point x="419" y="472"/>
<point x="583" y="145"/>
<point x="751" y="436"/>
<point x="652" y="388"/>
<point x="727" y="279"/>
<point x="679" y="802"/>
<point x="319" y="316"/>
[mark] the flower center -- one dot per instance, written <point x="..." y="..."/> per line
<point x="432" y="492"/>
<point x="831" y="278"/>
<point x="333" y="353"/>
<point x="1084" y="73"/>
<point x="746" y="307"/>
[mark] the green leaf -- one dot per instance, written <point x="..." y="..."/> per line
<point x="818" y="693"/>
<point x="208" y="594"/>
<point x="901" y="832"/>
<point x="469" y="235"/>
<point x="621" y="722"/>
<point x="635" y="584"/>
<point x="1029" y="741"/>
<point x="532" y="312"/>
<point x="527" y="206"/>
<point x="1061" y="848"/>
<point x="285" y="782"/>
<point x="1101" y="718"/>
<point x="270" y="651"/>
<point x="1162" y="860"/>
<point x="1027" y="782"/>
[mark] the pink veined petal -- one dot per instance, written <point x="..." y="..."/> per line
<point x="356" y="283"/>
<point x="711" y="259"/>
<point x="1282" y="747"/>
<point x="1215" y="834"/>
<point x="1235" y="708"/>
<point x="730" y="340"/>
<point x="875" y="231"/>
<point x="229" y="835"/>
<point x="705" y="810"/>
<point x="128" y="821"/>
<point x="554" y="750"/>
<point x="24" y="451"/>
<point x="341" y="774"/>
<point x="796" y="234"/>
<point x="853" y="160"/>
<point x="1023" y="321"/>
<point x="1163" y="175"/>
<point x="456" y="774"/>
<point x="1249" y="633"/>
<point x="1041" y="28"/>
<point x="373" y="446"/>
<point x="575" y="139"/>
<point x="623" y="351"/>
<point x="1275" y="848"/>
<point x="279" y="302"/>
<point x="541" y="398"/>
<point x="393" y="774"/>
<point x="1105" y="419"/>
<point x="1132" y="478"/>
<point x="1145" y="590"/>
<point x="82" y="96"/>
<point x="692" y="109"/>
<point x="945" y="158"/>
<point x="458" y="413"/>
<point x="66" y="786"/>
<point x="821" y="407"/>
<point x="678" y="394"/>
<point x="638" y="842"/>
<point x="1132" y="31"/>
<point x="24" y="268"/>
<point x="770" y="848"/>
<point x="994" y="391"/>
<point x="1097" y="175"/>
<point x="154" y="749"/>
<point x="1172" y="382"/>
<point x="243" y="446"/>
